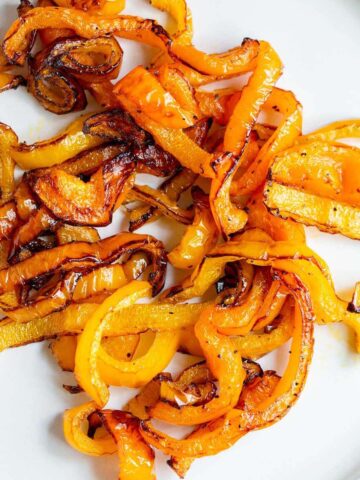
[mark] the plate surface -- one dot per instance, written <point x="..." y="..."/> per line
<point x="319" y="439"/>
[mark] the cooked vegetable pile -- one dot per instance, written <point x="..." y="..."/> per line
<point x="249" y="188"/>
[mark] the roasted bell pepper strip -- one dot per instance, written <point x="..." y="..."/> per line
<point x="136" y="458"/>
<point x="71" y="321"/>
<point x="143" y="88"/>
<point x="73" y="422"/>
<point x="70" y="233"/>
<point x="82" y="255"/>
<point x="63" y="350"/>
<point x="277" y="228"/>
<point x="9" y="81"/>
<point x="253" y="96"/>
<point x="160" y="200"/>
<point x="317" y="184"/>
<point x="57" y="149"/>
<point x="86" y="360"/>
<point x="139" y="371"/>
<point x="283" y="137"/>
<point x="334" y="131"/>
<point x="273" y="408"/>
<point x="199" y="238"/>
<point x="225" y="364"/>
<point x="74" y="201"/>
<point x="181" y="13"/>
<point x="174" y="141"/>
<point x="8" y="139"/>
<point x="325" y="214"/>
<point x="229" y="217"/>
<point x="16" y="43"/>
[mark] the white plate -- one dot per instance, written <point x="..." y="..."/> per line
<point x="318" y="42"/>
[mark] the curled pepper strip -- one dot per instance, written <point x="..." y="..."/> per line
<point x="225" y="364"/>
<point x="136" y="458"/>
<point x="282" y="138"/>
<point x="57" y="149"/>
<point x="139" y="371"/>
<point x="317" y="184"/>
<point x="74" y="419"/>
<point x="239" y="421"/>
<point x="8" y="139"/>
<point x="91" y="203"/>
<point x="57" y="92"/>
<point x="200" y="237"/>
<point x="229" y="217"/>
<point x="86" y="364"/>
<point x="181" y="13"/>
<point x="81" y="256"/>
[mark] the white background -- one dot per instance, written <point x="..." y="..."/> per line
<point x="318" y="41"/>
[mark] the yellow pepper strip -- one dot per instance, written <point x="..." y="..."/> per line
<point x="239" y="421"/>
<point x="63" y="350"/>
<point x="174" y="141"/>
<point x="71" y="233"/>
<point x="139" y="371"/>
<point x="57" y="149"/>
<point x="229" y="217"/>
<point x="284" y="136"/>
<point x="8" y="219"/>
<point x="102" y="279"/>
<point x="147" y="397"/>
<point x="71" y="320"/>
<point x="278" y="228"/>
<point x="102" y="7"/>
<point x="181" y="13"/>
<point x="317" y="184"/>
<point x="334" y="131"/>
<point x="239" y="319"/>
<point x="144" y="89"/>
<point x="8" y="139"/>
<point x="225" y="363"/>
<point x="199" y="238"/>
<point x="86" y="360"/>
<point x="74" y="420"/>
<point x="136" y="458"/>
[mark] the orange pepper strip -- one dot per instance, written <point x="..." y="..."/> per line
<point x="8" y="139"/>
<point x="228" y="217"/>
<point x="86" y="364"/>
<point x="8" y="220"/>
<point x="225" y="363"/>
<point x="253" y="96"/>
<point x="181" y="13"/>
<point x="136" y="458"/>
<point x="277" y="228"/>
<point x="199" y="238"/>
<point x="144" y="89"/>
<point x="239" y="421"/>
<point x="75" y="436"/>
<point x="284" y="136"/>
<point x="334" y="131"/>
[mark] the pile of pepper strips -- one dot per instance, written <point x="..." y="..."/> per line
<point x="244" y="239"/>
